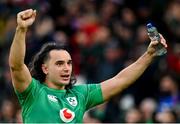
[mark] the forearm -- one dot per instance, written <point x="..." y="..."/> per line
<point x="126" y="77"/>
<point x="130" y="74"/>
<point x="17" y="50"/>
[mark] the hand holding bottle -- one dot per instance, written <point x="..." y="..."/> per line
<point x="156" y="37"/>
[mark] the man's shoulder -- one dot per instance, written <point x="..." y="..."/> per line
<point x="36" y="83"/>
<point x="79" y="86"/>
<point x="84" y="87"/>
<point x="35" y="80"/>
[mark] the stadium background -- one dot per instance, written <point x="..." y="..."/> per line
<point x="104" y="36"/>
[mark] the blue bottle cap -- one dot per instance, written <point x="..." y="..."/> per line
<point x="149" y="25"/>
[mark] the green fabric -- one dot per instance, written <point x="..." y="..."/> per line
<point x="41" y="104"/>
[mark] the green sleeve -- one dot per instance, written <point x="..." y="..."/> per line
<point x="91" y="94"/>
<point x="94" y="95"/>
<point x="28" y="96"/>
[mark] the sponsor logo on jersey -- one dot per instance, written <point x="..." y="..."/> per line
<point x="52" y="98"/>
<point x="72" y="101"/>
<point x="66" y="115"/>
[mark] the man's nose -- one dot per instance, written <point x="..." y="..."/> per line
<point x="66" y="67"/>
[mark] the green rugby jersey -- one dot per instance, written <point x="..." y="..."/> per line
<point x="41" y="104"/>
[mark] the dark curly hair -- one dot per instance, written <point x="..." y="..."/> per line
<point x="41" y="57"/>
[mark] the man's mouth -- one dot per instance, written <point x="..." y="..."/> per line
<point x="65" y="76"/>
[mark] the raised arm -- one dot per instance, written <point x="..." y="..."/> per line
<point x="130" y="74"/>
<point x="20" y="74"/>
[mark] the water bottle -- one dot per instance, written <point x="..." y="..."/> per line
<point x="154" y="36"/>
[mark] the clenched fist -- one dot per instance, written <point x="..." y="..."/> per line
<point x="26" y="18"/>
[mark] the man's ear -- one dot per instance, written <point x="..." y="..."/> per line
<point x="44" y="68"/>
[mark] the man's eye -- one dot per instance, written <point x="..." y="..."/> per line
<point x="70" y="63"/>
<point x="59" y="64"/>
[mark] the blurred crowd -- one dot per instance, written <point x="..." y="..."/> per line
<point x="103" y="36"/>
